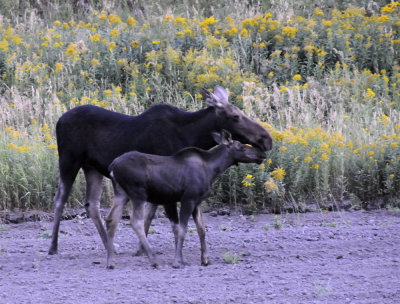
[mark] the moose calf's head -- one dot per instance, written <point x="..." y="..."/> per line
<point x="235" y="121"/>
<point x="239" y="152"/>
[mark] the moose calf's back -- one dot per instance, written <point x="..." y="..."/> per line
<point x="161" y="179"/>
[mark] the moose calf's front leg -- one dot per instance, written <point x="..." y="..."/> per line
<point x="201" y="230"/>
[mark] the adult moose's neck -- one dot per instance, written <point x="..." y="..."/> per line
<point x="218" y="160"/>
<point x="199" y="126"/>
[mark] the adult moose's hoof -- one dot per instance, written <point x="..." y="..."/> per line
<point x="110" y="266"/>
<point x="156" y="264"/>
<point x="53" y="251"/>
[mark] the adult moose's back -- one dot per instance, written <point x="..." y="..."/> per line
<point x="90" y="137"/>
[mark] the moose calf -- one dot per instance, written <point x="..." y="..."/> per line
<point x="164" y="180"/>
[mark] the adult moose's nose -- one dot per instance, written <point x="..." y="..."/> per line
<point x="265" y="142"/>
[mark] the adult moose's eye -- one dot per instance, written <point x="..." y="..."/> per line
<point x="235" y="118"/>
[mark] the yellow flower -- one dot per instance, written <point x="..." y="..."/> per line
<point x="12" y="147"/>
<point x="289" y="31"/>
<point x="318" y="12"/>
<point x="278" y="174"/>
<point x="114" y="19"/>
<point x="297" y="77"/>
<point x="114" y="32"/>
<point x="324" y="157"/>
<point x="307" y="159"/>
<point x="270" y="185"/>
<point x="95" y="62"/>
<point x="131" y="21"/>
<point x="95" y="37"/>
<point x="135" y="44"/>
<point x="111" y="46"/>
<point x="244" y="33"/>
<point x="58" y="67"/>
<point x="107" y="92"/>
<point x="370" y="93"/>
<point x="283" y="149"/>
<point x="71" y="49"/>
<point x="383" y="19"/>
<point x="52" y="146"/>
<point x="248" y="181"/>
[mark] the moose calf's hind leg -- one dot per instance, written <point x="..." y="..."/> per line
<point x="184" y="214"/>
<point x="137" y="223"/>
<point x="148" y="215"/>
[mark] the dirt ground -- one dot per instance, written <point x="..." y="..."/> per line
<point x="336" y="257"/>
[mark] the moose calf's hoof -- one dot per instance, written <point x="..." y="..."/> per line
<point x="138" y="252"/>
<point x="110" y="267"/>
<point x="205" y="263"/>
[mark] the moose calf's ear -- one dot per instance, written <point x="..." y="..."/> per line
<point x="226" y="136"/>
<point x="217" y="137"/>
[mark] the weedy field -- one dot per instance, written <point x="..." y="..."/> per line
<point x="323" y="79"/>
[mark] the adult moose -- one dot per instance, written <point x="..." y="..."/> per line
<point x="90" y="138"/>
<point x="186" y="177"/>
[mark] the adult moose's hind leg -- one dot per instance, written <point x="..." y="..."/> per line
<point x="92" y="201"/>
<point x="68" y="172"/>
<point x="112" y="220"/>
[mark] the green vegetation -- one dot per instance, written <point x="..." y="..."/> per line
<point x="322" y="76"/>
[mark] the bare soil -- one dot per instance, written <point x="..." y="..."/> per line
<point x="336" y="257"/>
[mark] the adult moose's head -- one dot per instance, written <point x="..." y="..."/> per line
<point x="235" y="121"/>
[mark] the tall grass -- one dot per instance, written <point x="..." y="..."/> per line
<point x="323" y="80"/>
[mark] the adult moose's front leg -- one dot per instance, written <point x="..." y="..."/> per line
<point x="201" y="230"/>
<point x="137" y="223"/>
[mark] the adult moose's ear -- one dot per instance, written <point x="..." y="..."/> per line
<point x="211" y="99"/>
<point x="221" y="93"/>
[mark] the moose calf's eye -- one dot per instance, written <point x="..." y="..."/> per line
<point x="236" y="118"/>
